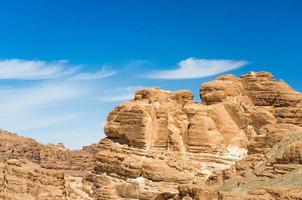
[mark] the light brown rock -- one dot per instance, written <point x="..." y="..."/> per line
<point x="243" y="141"/>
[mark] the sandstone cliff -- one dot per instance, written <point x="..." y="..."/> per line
<point x="242" y="141"/>
<point x="30" y="170"/>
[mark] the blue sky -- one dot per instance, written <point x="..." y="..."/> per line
<point x="65" y="65"/>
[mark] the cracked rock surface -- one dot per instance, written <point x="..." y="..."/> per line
<point x="242" y="141"/>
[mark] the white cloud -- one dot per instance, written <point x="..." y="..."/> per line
<point x="120" y="94"/>
<point x="54" y="111"/>
<point x="197" y="68"/>
<point x="103" y="73"/>
<point x="18" y="69"/>
<point x="56" y="107"/>
<point x="41" y="106"/>
<point x="117" y="97"/>
<point x="33" y="97"/>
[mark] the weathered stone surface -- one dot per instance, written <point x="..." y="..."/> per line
<point x="48" y="156"/>
<point x="162" y="136"/>
<point x="21" y="179"/>
<point x="291" y="154"/>
<point x="30" y="170"/>
<point x="242" y="141"/>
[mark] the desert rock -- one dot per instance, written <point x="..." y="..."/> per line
<point x="243" y="140"/>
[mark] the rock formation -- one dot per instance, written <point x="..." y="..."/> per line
<point x="242" y="141"/>
<point x="30" y="170"/>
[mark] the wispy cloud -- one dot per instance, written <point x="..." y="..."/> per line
<point x="135" y="64"/>
<point x="40" y="95"/>
<point x="34" y="69"/>
<point x="61" y="100"/>
<point x="39" y="106"/>
<point x="18" y="69"/>
<point x="103" y="73"/>
<point x="54" y="111"/>
<point x="120" y="94"/>
<point x="196" y="68"/>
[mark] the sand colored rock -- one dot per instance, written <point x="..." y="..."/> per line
<point x="22" y="179"/>
<point x="163" y="137"/>
<point x="30" y="170"/>
<point x="242" y="141"/>
<point x="48" y="156"/>
<point x="291" y="154"/>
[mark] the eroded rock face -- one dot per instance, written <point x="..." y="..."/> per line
<point x="243" y="138"/>
<point x="48" y="156"/>
<point x="30" y="170"/>
<point x="170" y="120"/>
<point x="161" y="139"/>
<point x="26" y="180"/>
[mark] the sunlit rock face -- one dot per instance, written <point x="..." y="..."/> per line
<point x="171" y="120"/>
<point x="162" y="139"/>
<point x="242" y="141"/>
<point x="30" y="170"/>
<point x="21" y="179"/>
<point x="154" y="118"/>
<point x="48" y="156"/>
<point x="264" y="108"/>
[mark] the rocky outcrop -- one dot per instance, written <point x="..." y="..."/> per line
<point x="30" y="170"/>
<point x="291" y="154"/>
<point x="244" y="137"/>
<point x="161" y="139"/>
<point x="267" y="110"/>
<point x="21" y="179"/>
<point x="48" y="156"/>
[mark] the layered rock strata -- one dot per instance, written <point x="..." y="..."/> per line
<point x="30" y="170"/>
<point x="161" y="140"/>
<point x="242" y="141"/>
